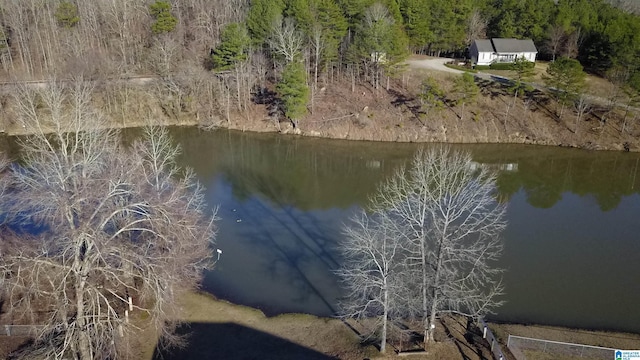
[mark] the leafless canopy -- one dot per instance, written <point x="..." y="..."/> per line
<point x="286" y="40"/>
<point x="108" y="237"/>
<point x="372" y="271"/>
<point x="443" y="215"/>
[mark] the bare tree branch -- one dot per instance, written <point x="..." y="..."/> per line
<point x="103" y="230"/>
<point x="285" y="39"/>
<point x="443" y="215"/>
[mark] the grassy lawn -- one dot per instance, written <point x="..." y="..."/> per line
<point x="596" y="86"/>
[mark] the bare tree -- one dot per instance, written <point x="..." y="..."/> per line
<point x="583" y="106"/>
<point x="448" y="208"/>
<point x="164" y="54"/>
<point x="4" y="181"/>
<point x="555" y="37"/>
<point x="572" y="43"/>
<point x="372" y="270"/>
<point x="109" y="237"/>
<point x="286" y="40"/>
<point x="476" y="26"/>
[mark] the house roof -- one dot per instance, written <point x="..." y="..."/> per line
<point x="484" y="45"/>
<point x="513" y="45"/>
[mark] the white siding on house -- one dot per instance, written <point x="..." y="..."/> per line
<point x="485" y="58"/>
<point x="486" y="52"/>
<point x="530" y="56"/>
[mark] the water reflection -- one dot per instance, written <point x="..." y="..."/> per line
<point x="570" y="246"/>
<point x="284" y="200"/>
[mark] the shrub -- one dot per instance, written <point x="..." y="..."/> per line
<point x="509" y="66"/>
<point x="462" y="68"/>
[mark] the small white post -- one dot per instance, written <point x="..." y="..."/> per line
<point x="126" y="316"/>
<point x="484" y="332"/>
<point x="120" y="330"/>
<point x="492" y="343"/>
<point x="130" y="304"/>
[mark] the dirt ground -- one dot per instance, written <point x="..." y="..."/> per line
<point x="217" y="325"/>
<point x="213" y="322"/>
<point x="342" y="109"/>
<point x="217" y="329"/>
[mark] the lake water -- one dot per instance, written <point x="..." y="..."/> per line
<point x="571" y="248"/>
<point x="572" y="245"/>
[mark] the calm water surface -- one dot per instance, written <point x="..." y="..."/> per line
<point x="572" y="250"/>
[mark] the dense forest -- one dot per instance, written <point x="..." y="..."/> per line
<point x="53" y="37"/>
<point x="230" y="51"/>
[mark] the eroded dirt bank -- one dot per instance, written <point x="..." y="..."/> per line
<point x="393" y="112"/>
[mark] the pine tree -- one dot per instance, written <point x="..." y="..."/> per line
<point x="165" y="21"/>
<point x="67" y="15"/>
<point x="234" y="42"/>
<point x="416" y="18"/>
<point x="431" y="95"/>
<point x="566" y="78"/>
<point x="293" y="91"/>
<point x="524" y="71"/>
<point x="466" y="87"/>
<point x="262" y="14"/>
<point x="334" y="26"/>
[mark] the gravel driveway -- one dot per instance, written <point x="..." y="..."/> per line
<point x="433" y="64"/>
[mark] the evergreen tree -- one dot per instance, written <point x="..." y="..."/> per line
<point x="354" y="10"/>
<point x="468" y="90"/>
<point x="234" y="43"/>
<point x="431" y="95"/>
<point x="380" y="42"/>
<point x="293" y="91"/>
<point x="67" y="15"/>
<point x="261" y="17"/>
<point x="524" y="71"/>
<point x="300" y="11"/>
<point x="417" y="22"/>
<point x="331" y="20"/>
<point x="164" y="21"/>
<point x="566" y="78"/>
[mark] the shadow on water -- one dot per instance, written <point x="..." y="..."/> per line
<point x="283" y="201"/>
<point x="292" y="251"/>
<point x="234" y="341"/>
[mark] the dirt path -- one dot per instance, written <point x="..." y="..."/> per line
<point x="432" y="64"/>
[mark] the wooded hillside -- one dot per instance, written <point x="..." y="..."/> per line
<point x="217" y="57"/>
<point x="113" y="37"/>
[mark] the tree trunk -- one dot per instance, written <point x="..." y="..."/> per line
<point x="425" y="306"/>
<point x="434" y="296"/>
<point x="383" y="341"/>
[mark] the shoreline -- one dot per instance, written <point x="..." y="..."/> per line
<point x="330" y="336"/>
<point x="399" y="138"/>
<point x="366" y="114"/>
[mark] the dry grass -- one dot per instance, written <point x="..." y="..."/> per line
<point x="595" y="85"/>
<point x="584" y="337"/>
<point x="224" y="330"/>
<point x="327" y="336"/>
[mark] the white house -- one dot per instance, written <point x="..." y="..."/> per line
<point x="489" y="51"/>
